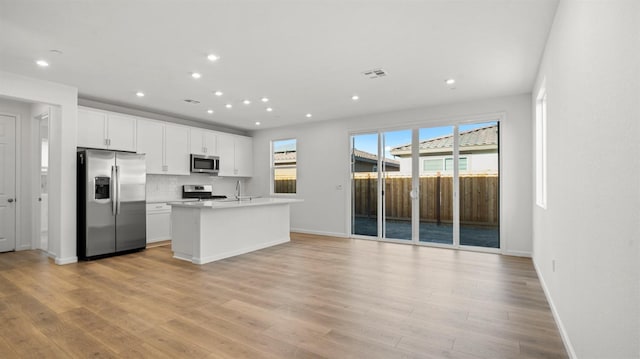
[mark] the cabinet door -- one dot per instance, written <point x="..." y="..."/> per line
<point x="244" y="156"/>
<point x="176" y="142"/>
<point x="92" y="128"/>
<point x="227" y="155"/>
<point x="210" y="143"/>
<point x="197" y="141"/>
<point x="149" y="138"/>
<point x="121" y="133"/>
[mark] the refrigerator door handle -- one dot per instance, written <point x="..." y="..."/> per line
<point x="113" y="190"/>
<point x="117" y="189"/>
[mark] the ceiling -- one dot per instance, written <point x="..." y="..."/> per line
<point x="306" y="56"/>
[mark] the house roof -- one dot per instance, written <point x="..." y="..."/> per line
<point x="290" y="157"/>
<point x="282" y="157"/>
<point x="370" y="157"/>
<point x="482" y="138"/>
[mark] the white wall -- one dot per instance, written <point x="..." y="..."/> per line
<point x="23" y="178"/>
<point x="162" y="188"/>
<point x="591" y="226"/>
<point x="323" y="164"/>
<point x="62" y="229"/>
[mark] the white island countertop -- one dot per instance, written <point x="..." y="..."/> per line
<point x="234" y="203"/>
<point x="208" y="231"/>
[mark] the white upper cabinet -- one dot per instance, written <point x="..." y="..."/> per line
<point x="226" y="151"/>
<point x="106" y="130"/>
<point x="176" y="150"/>
<point x="244" y="156"/>
<point x="151" y="143"/>
<point x="236" y="155"/>
<point x="166" y="147"/>
<point x="203" y="142"/>
<point x="121" y="132"/>
<point x="92" y="129"/>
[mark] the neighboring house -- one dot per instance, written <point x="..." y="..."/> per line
<point x="364" y="161"/>
<point x="368" y="162"/>
<point x="478" y="153"/>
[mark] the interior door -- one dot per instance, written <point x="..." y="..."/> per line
<point x="43" y="169"/>
<point x="7" y="183"/>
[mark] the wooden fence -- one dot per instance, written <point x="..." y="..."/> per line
<point x="478" y="193"/>
<point x="284" y="186"/>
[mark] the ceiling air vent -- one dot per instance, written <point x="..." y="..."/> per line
<point x="375" y="73"/>
<point x="193" y="102"/>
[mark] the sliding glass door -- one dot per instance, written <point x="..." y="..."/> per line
<point x="431" y="185"/>
<point x="479" y="180"/>
<point x="435" y="154"/>
<point x="396" y="194"/>
<point x="364" y="184"/>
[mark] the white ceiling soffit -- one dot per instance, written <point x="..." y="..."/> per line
<point x="304" y="56"/>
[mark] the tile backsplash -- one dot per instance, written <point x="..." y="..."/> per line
<point x="162" y="188"/>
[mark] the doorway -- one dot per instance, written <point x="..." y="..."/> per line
<point x="428" y="185"/>
<point x="7" y="183"/>
<point x="41" y="187"/>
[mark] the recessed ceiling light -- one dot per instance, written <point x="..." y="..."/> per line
<point x="258" y="123"/>
<point x="42" y="63"/>
<point x="218" y="93"/>
<point x="140" y="94"/>
<point x="209" y="111"/>
<point x="308" y="115"/>
<point x="264" y="99"/>
<point x="213" y="57"/>
<point x="228" y="105"/>
<point x="269" y="109"/>
<point x="450" y="81"/>
<point x="246" y="102"/>
<point x="196" y="75"/>
<point x="355" y="97"/>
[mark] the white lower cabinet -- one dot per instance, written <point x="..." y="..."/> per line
<point x="158" y="222"/>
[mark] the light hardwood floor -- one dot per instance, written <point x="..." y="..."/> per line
<point x="316" y="297"/>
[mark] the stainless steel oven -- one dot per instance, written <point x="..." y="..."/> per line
<point x="205" y="164"/>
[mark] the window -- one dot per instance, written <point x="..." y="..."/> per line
<point x="462" y="164"/>
<point x="284" y="166"/>
<point x="436" y="164"/>
<point x="432" y="165"/>
<point x="541" y="148"/>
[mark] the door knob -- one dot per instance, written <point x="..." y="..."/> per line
<point x="10" y="200"/>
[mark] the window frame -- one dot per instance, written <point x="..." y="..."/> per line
<point x="272" y="167"/>
<point x="541" y="148"/>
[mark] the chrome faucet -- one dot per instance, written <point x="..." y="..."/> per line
<point x="238" y="190"/>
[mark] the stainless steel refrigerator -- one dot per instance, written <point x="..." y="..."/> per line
<point x="111" y="203"/>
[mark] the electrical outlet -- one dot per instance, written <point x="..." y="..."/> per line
<point x="553" y="265"/>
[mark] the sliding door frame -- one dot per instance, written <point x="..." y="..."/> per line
<point x="455" y="122"/>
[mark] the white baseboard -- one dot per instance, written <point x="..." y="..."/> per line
<point x="217" y="257"/>
<point x="518" y="253"/>
<point x="320" y="233"/>
<point x="68" y="260"/>
<point x="556" y="316"/>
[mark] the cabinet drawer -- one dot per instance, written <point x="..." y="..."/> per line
<point x="158" y="208"/>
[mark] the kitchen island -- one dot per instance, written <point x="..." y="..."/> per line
<point x="208" y="231"/>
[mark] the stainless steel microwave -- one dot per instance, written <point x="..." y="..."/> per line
<point x="205" y="164"/>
